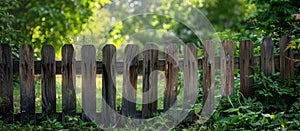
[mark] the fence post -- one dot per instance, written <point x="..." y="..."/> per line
<point x="150" y="75"/>
<point x="109" y="85"/>
<point x="246" y="61"/>
<point x="227" y="68"/>
<point x="68" y="81"/>
<point x="27" y="91"/>
<point x="267" y="56"/>
<point x="190" y="73"/>
<point x="171" y="72"/>
<point x="48" y="72"/>
<point x="208" y="76"/>
<point x="286" y="65"/>
<point x="130" y="76"/>
<point x="6" y="84"/>
<point x="88" y="68"/>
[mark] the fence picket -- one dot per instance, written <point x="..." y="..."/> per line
<point x="68" y="82"/>
<point x="88" y="68"/>
<point x="227" y="68"/>
<point x="208" y="76"/>
<point x="246" y="62"/>
<point x="267" y="56"/>
<point x="150" y="75"/>
<point x="109" y="85"/>
<point x="27" y="90"/>
<point x="48" y="71"/>
<point x="6" y="84"/>
<point x="171" y="73"/>
<point x="190" y="75"/>
<point x="26" y="67"/>
<point x="130" y="76"/>
<point x="286" y="64"/>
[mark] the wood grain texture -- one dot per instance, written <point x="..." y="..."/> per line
<point x="27" y="90"/>
<point x="150" y="75"/>
<point x="267" y="56"/>
<point x="130" y="76"/>
<point x="171" y="73"/>
<point x="208" y="77"/>
<point x="286" y="56"/>
<point x="109" y="86"/>
<point x="190" y="75"/>
<point x="68" y="81"/>
<point x="88" y="67"/>
<point x="48" y="69"/>
<point x="6" y="84"/>
<point x="227" y="68"/>
<point x="246" y="68"/>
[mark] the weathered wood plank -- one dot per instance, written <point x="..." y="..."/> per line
<point x="48" y="80"/>
<point x="267" y="56"/>
<point x="286" y="64"/>
<point x="6" y="84"/>
<point x="88" y="67"/>
<point x="208" y="77"/>
<point x="109" y="86"/>
<point x="246" y="62"/>
<point x="130" y="76"/>
<point x="171" y="73"/>
<point x="27" y="96"/>
<point x="227" y="68"/>
<point x="68" y="81"/>
<point x="190" y="76"/>
<point x="150" y="75"/>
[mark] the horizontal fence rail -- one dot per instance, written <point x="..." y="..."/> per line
<point x="130" y="67"/>
<point x="160" y="64"/>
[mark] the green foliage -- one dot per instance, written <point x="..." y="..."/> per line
<point x="275" y="94"/>
<point x="2" y="100"/>
<point x="50" y="124"/>
<point x="43" y="22"/>
<point x="274" y="17"/>
<point x="266" y="18"/>
<point x="74" y="123"/>
<point x="275" y="106"/>
<point x="217" y="12"/>
<point x="164" y="24"/>
<point x="228" y="14"/>
<point x="238" y="113"/>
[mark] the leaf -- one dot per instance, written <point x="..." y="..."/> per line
<point x="232" y="110"/>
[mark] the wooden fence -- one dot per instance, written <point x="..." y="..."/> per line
<point x="68" y="67"/>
